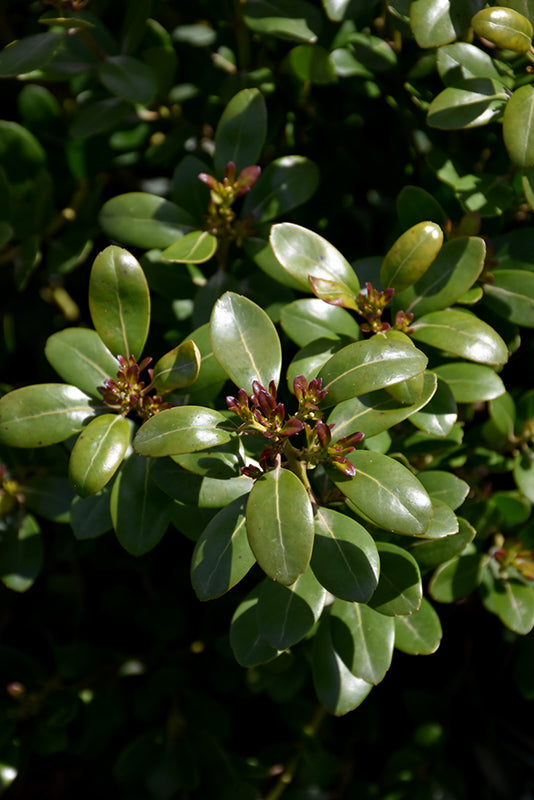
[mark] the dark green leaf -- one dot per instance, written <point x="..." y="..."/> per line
<point x="128" y="78"/>
<point x="300" y="22"/>
<point x="311" y="63"/>
<point x="518" y="126"/>
<point x="36" y="416"/>
<point x="312" y="358"/>
<point x="363" y="638"/>
<point x="28" y="53"/>
<point x="511" y="600"/>
<point x="245" y="341"/>
<point x="144" y="220"/>
<point x="444" y="486"/>
<point x="199" y="490"/>
<point x="415" y="205"/>
<point x="241" y="131"/>
<point x="280" y="525"/>
<point x="461" y="333"/>
<point x="119" y="301"/>
<point x="261" y="253"/>
<point x="345" y="558"/>
<point x="101" y="116"/>
<point x="468" y="104"/>
<point x="399" y="588"/>
<point x="90" y="517"/>
<point x="457" y="578"/>
<point x="524" y="474"/>
<point x="511" y="295"/>
<point x="224" y="461"/>
<point x="418" y="634"/>
<point x="81" y="358"/>
<point x="21" y="554"/>
<point x="286" y="613"/>
<point x="185" y="429"/>
<point x="470" y="383"/>
<point x="310" y="319"/>
<point x="248" y="645"/>
<point x="444" y="521"/>
<point x="411" y="255"/>
<point x="440" y="414"/>
<point x="211" y="375"/>
<point x="98" y="453"/>
<point x="430" y="553"/>
<point x="193" y="248"/>
<point x="434" y="24"/>
<point x="177" y="368"/>
<point x="222" y="555"/>
<point x="49" y="496"/>
<point x="460" y="61"/>
<point x="286" y="183"/>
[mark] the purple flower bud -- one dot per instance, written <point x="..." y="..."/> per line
<point x="344" y="465"/>
<point x="323" y="433"/>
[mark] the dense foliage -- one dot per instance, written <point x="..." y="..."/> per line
<point x="268" y="283"/>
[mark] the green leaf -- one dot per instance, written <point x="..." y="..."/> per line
<point x="518" y="126"/>
<point x="211" y="376"/>
<point x="511" y="600"/>
<point x="369" y="365"/>
<point x="300" y="22"/>
<point x="224" y="461"/>
<point x="177" y="369"/>
<point x="140" y="511"/>
<point x="262" y="255"/>
<point x="196" y="247"/>
<point x="337" y="688"/>
<point x="29" y="53"/>
<point x="411" y="255"/>
<point x="461" y="333"/>
<point x="222" y="555"/>
<point x="287" y="613"/>
<point x="430" y="553"/>
<point x="469" y="104"/>
<point x="81" y="358"/>
<point x="511" y="295"/>
<point x="21" y="554"/>
<point x="280" y="525"/>
<point x="245" y="342"/>
<point x="241" y="131"/>
<point x="44" y="414"/>
<point x="128" y="78"/>
<point x="185" y="429"/>
<point x="198" y="490"/>
<point x="304" y="254"/>
<point x="311" y="63"/>
<point x="457" y="578"/>
<point x="444" y="486"/>
<point x="94" y="118"/>
<point x="119" y="301"/>
<point x="524" y="474"/>
<point x="399" y="590"/>
<point x="90" y="516"/>
<point x="513" y="507"/>
<point x="415" y="205"/>
<point x="504" y="27"/>
<point x="187" y="190"/>
<point x="387" y="493"/>
<point x="338" y="10"/>
<point x="460" y="61"/>
<point x="444" y="521"/>
<point x="309" y="319"/>
<point x="452" y="273"/>
<point x="310" y="359"/>
<point x="144" y="220"/>
<point x="418" y="634"/>
<point x="363" y="638"/>
<point x="438" y="22"/>
<point x="286" y="183"/>
<point x="249" y="646"/>
<point x="49" y="496"/>
<point x="439" y="414"/>
<point x="377" y="411"/>
<point x="503" y="414"/>
<point x="344" y="558"/>
<point x="98" y="453"/>
<point x="470" y="383"/>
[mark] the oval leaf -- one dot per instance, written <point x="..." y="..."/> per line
<point x="128" y="78"/>
<point x="286" y="613"/>
<point x="241" y="131"/>
<point x="287" y="182"/>
<point x="245" y="341"/>
<point x="36" y="416"/>
<point x="399" y="588"/>
<point x="471" y="383"/>
<point x="469" y="104"/>
<point x="504" y="27"/>
<point x="438" y="416"/>
<point x="418" y="634"/>
<point x="511" y="295"/>
<point x="461" y="333"/>
<point x="248" y="645"/>
<point x="309" y="319"/>
<point x="144" y="220"/>
<point x="411" y="255"/>
<point x="177" y="368"/>
<point x="280" y="525"/>
<point x="119" y="301"/>
<point x="81" y="358"/>
<point x="185" y="429"/>
<point x="363" y="638"/>
<point x="193" y="248"/>
<point x="518" y="126"/>
<point x="430" y="553"/>
<point x="97" y="453"/>
<point x="444" y="486"/>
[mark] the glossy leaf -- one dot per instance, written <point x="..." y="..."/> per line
<point x="241" y="131"/>
<point x="504" y="27"/>
<point x="222" y="555"/>
<point x="524" y="474"/>
<point x="387" y="493"/>
<point x="415" y="205"/>
<point x="144" y="220"/>
<point x="309" y="319"/>
<point x="98" y="453"/>
<point x="287" y="613"/>
<point x="511" y="600"/>
<point x="128" y="78"/>
<point x="454" y="270"/>
<point x="461" y="333"/>
<point x="518" y="126"/>
<point x="305" y="254"/>
<point x="223" y="461"/>
<point x="369" y="365"/>
<point x="300" y="22"/>
<point x="81" y="358"/>
<point x="140" y="511"/>
<point x="119" y="301"/>
<point x="245" y="341"/>
<point x="430" y="553"/>
<point x="438" y="22"/>
<point x="460" y="61"/>
<point x="337" y="688"/>
<point x="439" y="415"/>
<point x="470" y="383"/>
<point x="444" y="521"/>
<point x="310" y="359"/>
<point x="29" y="53"/>
<point x="250" y="648"/>
<point x="198" y="490"/>
<point x="468" y="104"/>
<point x="211" y="376"/>
<point x="338" y="10"/>
<point x="21" y="554"/>
<point x="177" y="368"/>
<point x="444" y="486"/>
<point x="280" y="525"/>
<point x="511" y="295"/>
<point x="90" y="516"/>
<point x="399" y="588"/>
<point x="411" y="255"/>
<point x="457" y="578"/>
<point x="418" y="634"/>
<point x="40" y="415"/>
<point x="260" y="251"/>
<point x="196" y="247"/>
<point x="311" y="63"/>
<point x="184" y="429"/>
<point x="345" y="558"/>
<point x="286" y="183"/>
<point x="363" y="638"/>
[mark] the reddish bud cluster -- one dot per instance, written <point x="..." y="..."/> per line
<point x="265" y="413"/>
<point x="371" y="305"/>
<point x="512" y="554"/>
<point x="309" y="395"/>
<point x="221" y="220"/>
<point x="127" y="393"/>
